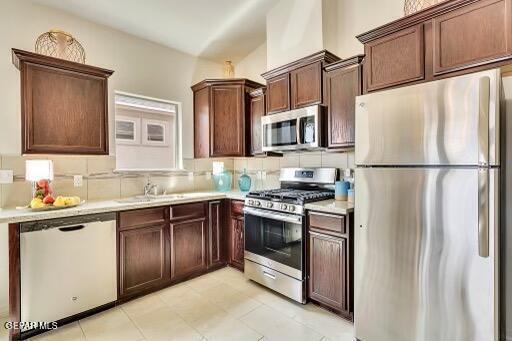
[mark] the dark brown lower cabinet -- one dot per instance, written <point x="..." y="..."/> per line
<point x="188" y="247"/>
<point x="216" y="245"/>
<point x="330" y="262"/>
<point x="143" y="261"/>
<point x="236" y="235"/>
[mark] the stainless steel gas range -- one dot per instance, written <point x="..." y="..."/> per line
<point x="275" y="229"/>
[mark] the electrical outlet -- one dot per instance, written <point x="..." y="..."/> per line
<point x="78" y="181"/>
<point x="6" y="176"/>
<point x="191" y="176"/>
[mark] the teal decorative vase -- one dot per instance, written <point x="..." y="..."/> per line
<point x="223" y="181"/>
<point x="244" y="182"/>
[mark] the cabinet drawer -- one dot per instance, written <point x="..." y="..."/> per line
<point x="148" y="216"/>
<point x="237" y="208"/>
<point x="327" y="223"/>
<point x="395" y="59"/>
<point x="188" y="211"/>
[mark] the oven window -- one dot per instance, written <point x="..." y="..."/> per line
<point x="276" y="240"/>
<point x="280" y="133"/>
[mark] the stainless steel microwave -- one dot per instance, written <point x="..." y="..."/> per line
<point x="297" y="129"/>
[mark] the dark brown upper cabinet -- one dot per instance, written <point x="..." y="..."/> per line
<point x="221" y="117"/>
<point x="451" y="38"/>
<point x="257" y="112"/>
<point x="306" y="85"/>
<point x="343" y="82"/>
<point x="472" y="35"/>
<point x="395" y="59"/>
<point x="64" y="105"/>
<point x="278" y="97"/>
<point x="297" y="84"/>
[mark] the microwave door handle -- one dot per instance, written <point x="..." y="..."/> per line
<point x="299" y="132"/>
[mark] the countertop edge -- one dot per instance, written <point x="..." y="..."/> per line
<point x="13" y="216"/>
<point x="331" y="206"/>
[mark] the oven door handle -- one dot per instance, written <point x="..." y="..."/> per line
<point x="290" y="218"/>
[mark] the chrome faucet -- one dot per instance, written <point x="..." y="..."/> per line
<point x="150" y="188"/>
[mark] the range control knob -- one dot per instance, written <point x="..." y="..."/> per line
<point x="257" y="203"/>
<point x="291" y="208"/>
<point x="270" y="204"/>
<point x="250" y="202"/>
<point x="284" y="207"/>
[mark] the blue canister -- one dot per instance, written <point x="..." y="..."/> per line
<point x="341" y="190"/>
<point x="244" y="182"/>
<point x="351" y="195"/>
<point x="222" y="181"/>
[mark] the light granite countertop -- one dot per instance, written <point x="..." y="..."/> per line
<point x="331" y="206"/>
<point x="14" y="215"/>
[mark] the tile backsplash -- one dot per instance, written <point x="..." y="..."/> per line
<point x="101" y="182"/>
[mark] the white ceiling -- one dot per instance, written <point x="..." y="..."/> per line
<point x="214" y="29"/>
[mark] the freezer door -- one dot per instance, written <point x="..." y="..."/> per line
<point x="419" y="272"/>
<point x="447" y="122"/>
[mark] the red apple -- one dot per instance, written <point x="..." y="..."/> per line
<point x="43" y="183"/>
<point x="48" y="200"/>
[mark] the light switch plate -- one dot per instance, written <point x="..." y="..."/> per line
<point x="6" y="176"/>
<point x="78" y="180"/>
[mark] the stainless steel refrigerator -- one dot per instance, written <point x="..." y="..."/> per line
<point x="427" y="211"/>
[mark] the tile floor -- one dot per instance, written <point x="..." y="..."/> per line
<point x="221" y="305"/>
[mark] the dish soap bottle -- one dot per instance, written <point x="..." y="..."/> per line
<point x="244" y="182"/>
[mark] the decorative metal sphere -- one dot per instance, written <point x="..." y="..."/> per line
<point x="413" y="6"/>
<point x="60" y="44"/>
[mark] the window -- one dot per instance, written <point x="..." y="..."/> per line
<point x="127" y="130"/>
<point x="148" y="133"/>
<point x="154" y="132"/>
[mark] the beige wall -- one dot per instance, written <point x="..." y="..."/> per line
<point x="253" y="65"/>
<point x="140" y="66"/>
<point x="294" y="30"/>
<point x="358" y="16"/>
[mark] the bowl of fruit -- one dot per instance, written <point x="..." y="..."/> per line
<point x="44" y="200"/>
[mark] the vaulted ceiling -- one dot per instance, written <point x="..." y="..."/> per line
<point x="213" y="29"/>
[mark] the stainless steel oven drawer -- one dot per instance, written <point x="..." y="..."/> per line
<point x="283" y="284"/>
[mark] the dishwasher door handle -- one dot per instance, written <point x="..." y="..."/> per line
<point x="71" y="228"/>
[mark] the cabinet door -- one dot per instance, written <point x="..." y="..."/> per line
<point x="215" y="222"/>
<point x="342" y="87"/>
<point x="278" y="94"/>
<point x="227" y="121"/>
<point x="257" y="112"/>
<point x="327" y="280"/>
<point x="143" y="261"/>
<point x="202" y="123"/>
<point x="306" y="85"/>
<point x="237" y="242"/>
<point x="472" y="35"/>
<point x="188" y="247"/>
<point x="395" y="59"/>
<point x="63" y="112"/>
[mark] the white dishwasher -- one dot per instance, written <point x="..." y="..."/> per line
<point x="68" y="266"/>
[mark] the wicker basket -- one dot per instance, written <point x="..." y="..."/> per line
<point x="60" y="44"/>
<point x="413" y="6"/>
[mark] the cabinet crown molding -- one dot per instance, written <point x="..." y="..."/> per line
<point x="20" y="56"/>
<point x="324" y="55"/>
<point x="343" y="63"/>
<point x="226" y="81"/>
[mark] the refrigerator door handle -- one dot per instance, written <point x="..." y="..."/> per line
<point x="483" y="120"/>
<point x="483" y="212"/>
